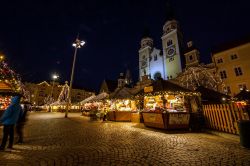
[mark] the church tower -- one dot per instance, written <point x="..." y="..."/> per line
<point x="172" y="43"/>
<point x="144" y="55"/>
<point x="192" y="55"/>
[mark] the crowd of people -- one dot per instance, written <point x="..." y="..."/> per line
<point x="14" y="117"/>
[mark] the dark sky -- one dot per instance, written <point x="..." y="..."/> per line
<point x="37" y="36"/>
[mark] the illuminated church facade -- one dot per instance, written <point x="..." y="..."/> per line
<point x="166" y="63"/>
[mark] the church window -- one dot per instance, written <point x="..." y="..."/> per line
<point x="171" y="59"/>
<point x="157" y="75"/>
<point x="150" y="58"/>
<point x="155" y="58"/>
<point x="238" y="71"/>
<point x="223" y="74"/>
<point x="169" y="42"/>
<point x="190" y="57"/>
<point x="171" y="77"/>
<point x="234" y="56"/>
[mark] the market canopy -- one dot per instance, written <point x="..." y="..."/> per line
<point x="123" y="93"/>
<point x="87" y="99"/>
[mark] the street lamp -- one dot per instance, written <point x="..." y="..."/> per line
<point x="77" y="44"/>
<point x="1" y="58"/>
<point x="54" y="77"/>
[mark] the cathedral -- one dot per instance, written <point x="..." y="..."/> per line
<point x="166" y="63"/>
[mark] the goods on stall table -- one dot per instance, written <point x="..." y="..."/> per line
<point x="4" y="102"/>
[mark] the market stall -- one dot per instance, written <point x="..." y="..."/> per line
<point x="6" y="92"/>
<point x="97" y="105"/>
<point x="122" y="106"/>
<point x="168" y="106"/>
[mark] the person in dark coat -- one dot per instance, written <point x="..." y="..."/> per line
<point x="9" y="119"/>
<point x="21" y="122"/>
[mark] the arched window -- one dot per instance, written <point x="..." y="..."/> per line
<point x="157" y="76"/>
<point x="169" y="42"/>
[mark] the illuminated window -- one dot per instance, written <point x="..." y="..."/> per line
<point x="238" y="71"/>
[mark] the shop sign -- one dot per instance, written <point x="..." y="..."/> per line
<point x="148" y="89"/>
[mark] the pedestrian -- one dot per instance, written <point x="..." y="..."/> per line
<point x="9" y="119"/>
<point x="21" y="122"/>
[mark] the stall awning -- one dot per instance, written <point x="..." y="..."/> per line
<point x="99" y="97"/>
<point x="58" y="103"/>
<point x="5" y="89"/>
<point x="123" y="93"/>
<point x="87" y="99"/>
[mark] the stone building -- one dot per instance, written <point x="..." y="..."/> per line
<point x="39" y="92"/>
<point x="232" y="62"/>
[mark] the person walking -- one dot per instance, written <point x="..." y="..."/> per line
<point x="21" y="122"/>
<point x="9" y="119"/>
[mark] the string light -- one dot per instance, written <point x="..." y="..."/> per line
<point x="193" y="77"/>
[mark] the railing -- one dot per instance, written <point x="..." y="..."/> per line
<point x="224" y="117"/>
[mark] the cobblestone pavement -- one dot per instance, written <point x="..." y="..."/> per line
<point x="51" y="139"/>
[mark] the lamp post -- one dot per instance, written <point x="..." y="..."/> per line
<point x="54" y="77"/>
<point x="77" y="44"/>
<point x="1" y="57"/>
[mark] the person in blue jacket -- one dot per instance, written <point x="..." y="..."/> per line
<point x="9" y="119"/>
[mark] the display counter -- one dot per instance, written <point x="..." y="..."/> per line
<point x="166" y="120"/>
<point x="121" y="116"/>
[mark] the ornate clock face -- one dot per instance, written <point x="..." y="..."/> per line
<point x="170" y="51"/>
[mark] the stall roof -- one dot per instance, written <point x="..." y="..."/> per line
<point x="164" y="85"/>
<point x="58" y="103"/>
<point x="99" y="97"/>
<point x="87" y="99"/>
<point x="6" y="90"/>
<point x="243" y="95"/>
<point x="210" y="96"/>
<point x="122" y="93"/>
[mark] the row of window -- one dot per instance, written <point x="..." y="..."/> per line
<point x="155" y="58"/>
<point x="233" y="57"/>
<point x="227" y="89"/>
<point x="237" y="71"/>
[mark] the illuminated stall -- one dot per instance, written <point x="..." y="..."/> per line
<point x="168" y="106"/>
<point x="6" y="93"/>
<point x="98" y="105"/>
<point x="122" y="106"/>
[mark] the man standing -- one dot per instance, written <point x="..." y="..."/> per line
<point x="21" y="122"/>
<point x="9" y="119"/>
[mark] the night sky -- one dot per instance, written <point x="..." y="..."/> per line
<point x="37" y="36"/>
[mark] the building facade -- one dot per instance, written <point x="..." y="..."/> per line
<point x="166" y="64"/>
<point x="39" y="92"/>
<point x="232" y="62"/>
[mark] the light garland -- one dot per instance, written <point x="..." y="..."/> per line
<point x="193" y="77"/>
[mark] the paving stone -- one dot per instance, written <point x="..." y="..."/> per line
<point x="51" y="139"/>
